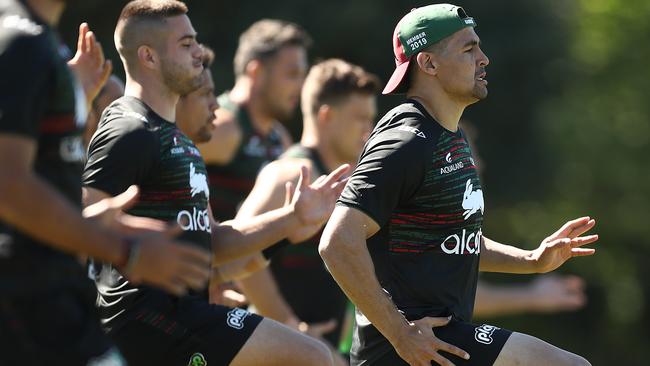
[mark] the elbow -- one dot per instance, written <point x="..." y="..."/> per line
<point x="11" y="186"/>
<point x="327" y="247"/>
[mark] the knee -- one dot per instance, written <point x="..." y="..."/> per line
<point x="579" y="361"/>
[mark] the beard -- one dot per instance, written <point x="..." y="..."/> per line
<point x="276" y="109"/>
<point x="178" y="80"/>
<point x="479" y="91"/>
<point x="203" y="135"/>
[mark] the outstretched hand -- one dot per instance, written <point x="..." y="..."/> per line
<point x="314" y="203"/>
<point x="89" y="64"/>
<point x="565" y="244"/>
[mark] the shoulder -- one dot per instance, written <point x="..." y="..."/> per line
<point x="283" y="170"/>
<point x="125" y="120"/>
<point x="405" y="127"/>
<point x="25" y="41"/>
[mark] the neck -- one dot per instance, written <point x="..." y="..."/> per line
<point x="327" y="154"/>
<point x="49" y="11"/>
<point x="243" y="93"/>
<point x="155" y="94"/>
<point x="439" y="104"/>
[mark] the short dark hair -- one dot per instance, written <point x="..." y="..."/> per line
<point x="333" y="80"/>
<point x="208" y="56"/>
<point x="136" y="14"/>
<point x="265" y="38"/>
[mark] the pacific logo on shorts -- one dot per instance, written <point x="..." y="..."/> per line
<point x="236" y="318"/>
<point x="483" y="334"/>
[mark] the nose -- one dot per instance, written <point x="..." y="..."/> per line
<point x="198" y="51"/>
<point x="483" y="59"/>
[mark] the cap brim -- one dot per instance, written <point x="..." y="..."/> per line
<point x="397" y="78"/>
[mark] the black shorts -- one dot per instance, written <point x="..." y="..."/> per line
<point x="57" y="327"/>
<point x="482" y="342"/>
<point x="191" y="332"/>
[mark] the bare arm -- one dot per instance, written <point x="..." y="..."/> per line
<point x="556" y="249"/>
<point x="225" y="140"/>
<point x="263" y="292"/>
<point x="545" y="294"/>
<point x="25" y="198"/>
<point x="267" y="194"/>
<point x="310" y="206"/>
<point x="343" y="248"/>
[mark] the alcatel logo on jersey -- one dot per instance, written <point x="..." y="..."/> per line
<point x="197" y="220"/>
<point x="463" y="244"/>
<point x="198" y="182"/>
<point x="412" y="130"/>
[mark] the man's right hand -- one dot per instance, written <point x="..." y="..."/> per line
<point x="419" y="346"/>
<point x="174" y="266"/>
<point x="159" y="260"/>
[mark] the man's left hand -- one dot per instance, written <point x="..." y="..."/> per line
<point x="565" y="244"/>
<point x="314" y="203"/>
<point x="89" y="64"/>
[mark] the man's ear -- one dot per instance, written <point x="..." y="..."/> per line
<point x="253" y="69"/>
<point x="427" y="63"/>
<point x="147" y="57"/>
<point x="324" y="114"/>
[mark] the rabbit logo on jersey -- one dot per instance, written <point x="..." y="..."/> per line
<point x="472" y="200"/>
<point x="467" y="242"/>
<point x="198" y="183"/>
<point x="196" y="220"/>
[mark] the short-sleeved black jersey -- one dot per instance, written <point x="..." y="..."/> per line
<point x="418" y="181"/>
<point x="134" y="145"/>
<point x="232" y="182"/>
<point x="39" y="100"/>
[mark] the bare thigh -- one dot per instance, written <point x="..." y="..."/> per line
<point x="273" y="344"/>
<point x="522" y="349"/>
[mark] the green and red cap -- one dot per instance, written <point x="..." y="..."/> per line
<point x="419" y="29"/>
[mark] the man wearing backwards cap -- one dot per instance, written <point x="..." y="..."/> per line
<point x="405" y="240"/>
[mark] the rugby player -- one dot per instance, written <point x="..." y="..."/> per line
<point x="137" y="142"/>
<point x="270" y="66"/>
<point x="338" y="108"/>
<point x="405" y="241"/>
<point x="47" y="312"/>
